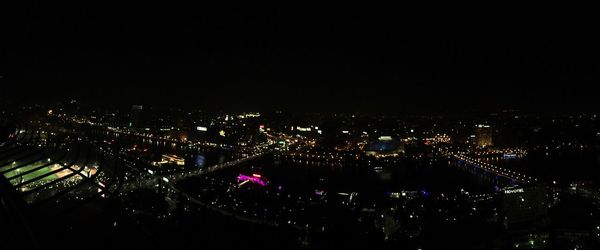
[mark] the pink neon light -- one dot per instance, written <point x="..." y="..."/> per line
<point x="252" y="179"/>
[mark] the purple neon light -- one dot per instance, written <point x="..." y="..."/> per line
<point x="252" y="179"/>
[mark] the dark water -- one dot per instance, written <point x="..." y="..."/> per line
<point x="429" y="176"/>
<point x="560" y="165"/>
<point x="195" y="156"/>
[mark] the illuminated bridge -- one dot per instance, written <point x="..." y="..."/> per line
<point x="496" y="170"/>
<point x="149" y="178"/>
<point x="56" y="178"/>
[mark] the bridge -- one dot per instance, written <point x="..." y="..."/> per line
<point x="496" y="170"/>
<point x="148" y="179"/>
<point x="168" y="181"/>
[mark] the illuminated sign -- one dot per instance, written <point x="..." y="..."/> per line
<point x="385" y="138"/>
<point x="199" y="128"/>
<point x="513" y="191"/>
<point x="248" y="115"/>
<point x="303" y="129"/>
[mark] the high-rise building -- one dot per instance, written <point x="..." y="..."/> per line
<point x="525" y="207"/>
<point x="135" y="115"/>
<point x="483" y="135"/>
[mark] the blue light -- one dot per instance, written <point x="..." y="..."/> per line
<point x="200" y="160"/>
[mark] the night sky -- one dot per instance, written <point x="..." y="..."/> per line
<point x="303" y="56"/>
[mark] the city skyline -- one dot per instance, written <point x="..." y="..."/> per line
<point x="299" y="125"/>
<point x="173" y="177"/>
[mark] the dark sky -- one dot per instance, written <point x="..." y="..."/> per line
<point x="410" y="58"/>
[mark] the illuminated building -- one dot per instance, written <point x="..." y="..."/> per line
<point x="170" y="159"/>
<point x="438" y="138"/>
<point x="483" y="135"/>
<point x="248" y="115"/>
<point x="384" y="146"/>
<point x="525" y="207"/>
<point x="302" y="129"/>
